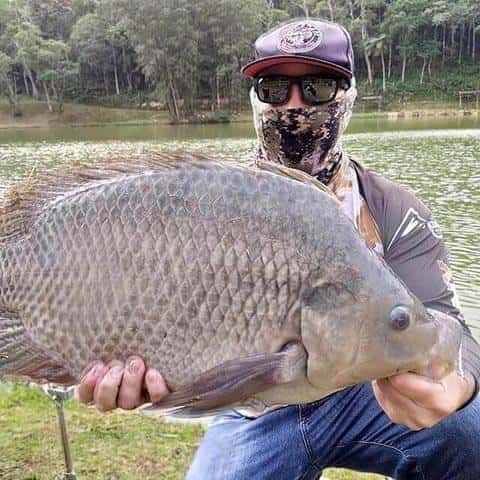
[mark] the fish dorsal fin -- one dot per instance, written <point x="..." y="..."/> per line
<point x="295" y="174"/>
<point x="24" y="202"/>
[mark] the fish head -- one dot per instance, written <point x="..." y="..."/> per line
<point x="352" y="337"/>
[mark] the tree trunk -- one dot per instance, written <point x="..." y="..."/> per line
<point x="369" y="66"/>
<point x="364" y="38"/>
<point x="47" y="96"/>
<point x="384" y="84"/>
<point x="330" y="9"/>
<point x="13" y="99"/>
<point x="32" y="81"/>
<point x="54" y="90"/>
<point x="173" y="95"/>
<point x="452" y="38"/>
<point x="390" y="48"/>
<point x="350" y="9"/>
<point x="460" y="48"/>
<point x="175" y="101"/>
<point x="57" y="95"/>
<point x="217" y="89"/>
<point x="423" y="70"/>
<point x="305" y="9"/>
<point x="25" y="82"/>
<point x="404" y="64"/>
<point x="473" y="40"/>
<point x="11" y="95"/>
<point x="469" y="37"/>
<point x="115" y="73"/>
<point x="105" y="82"/>
<point x="429" y="68"/>
<point x="444" y="44"/>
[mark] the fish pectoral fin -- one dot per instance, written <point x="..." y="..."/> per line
<point x="231" y="382"/>
<point x="20" y="356"/>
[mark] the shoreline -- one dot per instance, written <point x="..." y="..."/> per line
<point x="79" y="118"/>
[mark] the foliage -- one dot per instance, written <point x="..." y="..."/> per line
<point x="188" y="55"/>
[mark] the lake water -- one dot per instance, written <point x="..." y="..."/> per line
<point x="439" y="159"/>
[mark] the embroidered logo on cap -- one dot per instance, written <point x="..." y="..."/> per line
<point x="301" y="37"/>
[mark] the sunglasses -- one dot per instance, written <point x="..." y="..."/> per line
<point x="275" y="89"/>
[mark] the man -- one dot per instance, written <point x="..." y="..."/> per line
<point x="407" y="426"/>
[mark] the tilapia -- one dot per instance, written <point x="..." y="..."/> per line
<point x="240" y="284"/>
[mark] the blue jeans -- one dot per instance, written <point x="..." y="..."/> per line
<point x="347" y="429"/>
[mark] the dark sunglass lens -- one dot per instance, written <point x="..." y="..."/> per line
<point x="273" y="90"/>
<point x="318" y="90"/>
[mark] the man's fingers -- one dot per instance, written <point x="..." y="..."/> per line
<point x="130" y="394"/>
<point x="106" y="391"/>
<point x="391" y="402"/>
<point x="420" y="389"/>
<point x="156" y="385"/>
<point x="111" y="386"/>
<point x="401" y="409"/>
<point x="84" y="391"/>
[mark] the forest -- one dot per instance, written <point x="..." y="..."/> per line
<point x="185" y="56"/>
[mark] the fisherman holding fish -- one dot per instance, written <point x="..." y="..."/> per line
<point x="407" y="426"/>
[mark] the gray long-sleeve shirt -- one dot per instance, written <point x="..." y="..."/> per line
<point x="413" y="246"/>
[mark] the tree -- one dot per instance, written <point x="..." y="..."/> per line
<point x="54" y="68"/>
<point x="7" y="84"/>
<point x="166" y="46"/>
<point x="405" y="21"/>
<point x="376" y="46"/>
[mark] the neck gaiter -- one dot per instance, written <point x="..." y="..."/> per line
<point x="304" y="138"/>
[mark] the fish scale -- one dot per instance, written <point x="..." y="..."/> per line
<point x="239" y="284"/>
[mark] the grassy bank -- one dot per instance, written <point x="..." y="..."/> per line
<point x="35" y="113"/>
<point x="114" y="446"/>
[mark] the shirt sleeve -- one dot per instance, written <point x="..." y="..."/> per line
<point x="415" y="250"/>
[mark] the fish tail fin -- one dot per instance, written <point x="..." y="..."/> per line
<point x="21" y="357"/>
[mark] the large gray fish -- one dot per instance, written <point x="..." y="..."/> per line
<point x="240" y="284"/>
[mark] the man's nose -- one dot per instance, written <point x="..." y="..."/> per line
<point x="295" y="99"/>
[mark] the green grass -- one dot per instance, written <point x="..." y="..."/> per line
<point x="36" y="114"/>
<point x="113" y="446"/>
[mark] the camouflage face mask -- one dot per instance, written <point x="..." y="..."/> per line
<point x="304" y="138"/>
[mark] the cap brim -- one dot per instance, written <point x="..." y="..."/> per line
<point x="252" y="69"/>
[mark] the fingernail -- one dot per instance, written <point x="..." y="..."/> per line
<point x="153" y="376"/>
<point x="95" y="373"/>
<point x="117" y="372"/>
<point x="133" y="366"/>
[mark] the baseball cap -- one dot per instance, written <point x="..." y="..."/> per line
<point x="307" y="41"/>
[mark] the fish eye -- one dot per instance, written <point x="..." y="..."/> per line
<point x="400" y="317"/>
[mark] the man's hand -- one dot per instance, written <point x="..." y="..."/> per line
<point x="123" y="386"/>
<point x="420" y="402"/>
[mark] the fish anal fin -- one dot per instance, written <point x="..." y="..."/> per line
<point x="21" y="357"/>
<point x="231" y="382"/>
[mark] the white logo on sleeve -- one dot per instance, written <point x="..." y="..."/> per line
<point x="412" y="222"/>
